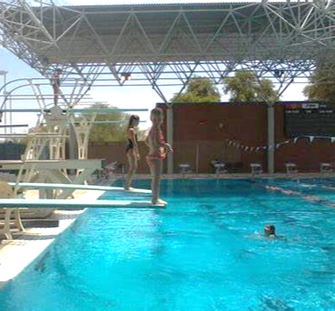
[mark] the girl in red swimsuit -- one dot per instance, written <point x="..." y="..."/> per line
<point x="158" y="149"/>
<point x="132" y="152"/>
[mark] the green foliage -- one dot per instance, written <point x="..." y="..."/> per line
<point x="245" y="87"/>
<point x="198" y="90"/>
<point x="322" y="84"/>
<point x="36" y="129"/>
<point x="104" y="133"/>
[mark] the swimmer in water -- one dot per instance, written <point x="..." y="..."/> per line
<point x="270" y="231"/>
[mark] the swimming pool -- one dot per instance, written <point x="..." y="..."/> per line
<point x="205" y="251"/>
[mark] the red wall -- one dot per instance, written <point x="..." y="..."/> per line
<point x="117" y="152"/>
<point x="213" y="124"/>
<point x="247" y="125"/>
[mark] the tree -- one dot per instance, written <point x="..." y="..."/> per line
<point x="102" y="133"/>
<point x="322" y="84"/>
<point x="245" y="87"/>
<point x="199" y="89"/>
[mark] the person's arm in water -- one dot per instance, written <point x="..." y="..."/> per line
<point x="132" y="137"/>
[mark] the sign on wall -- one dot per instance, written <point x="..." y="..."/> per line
<point x="314" y="119"/>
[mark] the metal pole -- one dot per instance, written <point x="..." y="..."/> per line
<point x="271" y="138"/>
<point x="4" y="73"/>
<point x="5" y="93"/>
<point x="72" y="146"/>
<point x="169" y="125"/>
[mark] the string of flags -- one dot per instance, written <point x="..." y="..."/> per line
<point x="246" y="148"/>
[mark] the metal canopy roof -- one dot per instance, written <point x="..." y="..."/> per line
<point x="164" y="43"/>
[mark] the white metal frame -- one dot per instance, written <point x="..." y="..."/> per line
<point x="163" y="45"/>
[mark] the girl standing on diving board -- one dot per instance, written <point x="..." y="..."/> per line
<point x="132" y="152"/>
<point x="157" y="153"/>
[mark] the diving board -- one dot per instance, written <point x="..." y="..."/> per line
<point x="27" y="185"/>
<point x="52" y="164"/>
<point x="75" y="204"/>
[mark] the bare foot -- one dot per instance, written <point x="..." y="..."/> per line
<point x="128" y="188"/>
<point x="159" y="202"/>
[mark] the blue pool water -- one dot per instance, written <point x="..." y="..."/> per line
<point x="205" y="251"/>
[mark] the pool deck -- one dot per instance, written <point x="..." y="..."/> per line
<point x="26" y="246"/>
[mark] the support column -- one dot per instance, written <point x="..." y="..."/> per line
<point x="271" y="138"/>
<point x="72" y="146"/>
<point x="169" y="136"/>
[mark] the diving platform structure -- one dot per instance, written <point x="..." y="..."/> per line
<point x="45" y="162"/>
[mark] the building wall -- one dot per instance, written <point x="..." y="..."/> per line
<point x="117" y="152"/>
<point x="203" y="133"/>
<point x="246" y="125"/>
<point x="212" y="127"/>
<point x="306" y="155"/>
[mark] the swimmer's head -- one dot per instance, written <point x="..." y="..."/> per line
<point x="156" y="116"/>
<point x="269" y="230"/>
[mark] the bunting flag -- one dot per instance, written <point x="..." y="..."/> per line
<point x="245" y="148"/>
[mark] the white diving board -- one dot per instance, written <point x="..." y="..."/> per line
<point x="75" y="204"/>
<point x="13" y="125"/>
<point x="52" y="164"/>
<point x="27" y="185"/>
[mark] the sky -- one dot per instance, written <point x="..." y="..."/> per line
<point x="123" y="97"/>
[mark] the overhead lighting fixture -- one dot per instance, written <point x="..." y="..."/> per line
<point x="279" y="73"/>
<point x="125" y="76"/>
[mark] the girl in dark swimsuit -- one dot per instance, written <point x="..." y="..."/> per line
<point x="132" y="152"/>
